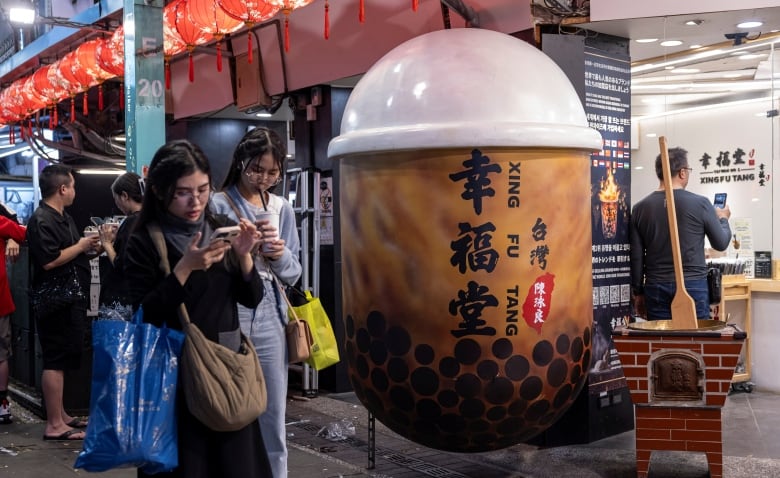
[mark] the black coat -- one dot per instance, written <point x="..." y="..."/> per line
<point x="210" y="297"/>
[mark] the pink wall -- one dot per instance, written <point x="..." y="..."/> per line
<point x="352" y="48"/>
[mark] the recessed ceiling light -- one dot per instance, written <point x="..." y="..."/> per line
<point x="693" y="47"/>
<point x="646" y="40"/>
<point x="263" y="115"/>
<point x="751" y="24"/>
<point x="750" y="56"/>
<point x="671" y="43"/>
<point x="669" y="67"/>
<point x="694" y="23"/>
<point x="651" y="135"/>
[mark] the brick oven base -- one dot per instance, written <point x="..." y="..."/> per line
<point x="683" y="425"/>
<point x="694" y="429"/>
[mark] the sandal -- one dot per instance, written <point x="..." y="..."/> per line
<point x="77" y="423"/>
<point x="65" y="436"/>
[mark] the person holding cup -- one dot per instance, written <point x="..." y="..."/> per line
<point x="257" y="167"/>
<point x="128" y="197"/>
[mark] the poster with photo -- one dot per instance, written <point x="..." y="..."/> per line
<point x="608" y="109"/>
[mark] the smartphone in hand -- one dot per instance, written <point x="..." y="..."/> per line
<point x="225" y="234"/>
<point x="720" y="200"/>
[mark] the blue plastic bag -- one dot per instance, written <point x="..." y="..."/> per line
<point x="132" y="408"/>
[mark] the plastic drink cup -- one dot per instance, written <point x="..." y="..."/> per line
<point x="465" y="240"/>
<point x="91" y="231"/>
<point x="273" y="221"/>
<point x="609" y="211"/>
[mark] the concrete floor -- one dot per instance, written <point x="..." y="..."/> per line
<point x="751" y="449"/>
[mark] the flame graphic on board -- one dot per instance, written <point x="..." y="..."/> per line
<point x="610" y="191"/>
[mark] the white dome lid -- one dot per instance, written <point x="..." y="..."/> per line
<point x="463" y="87"/>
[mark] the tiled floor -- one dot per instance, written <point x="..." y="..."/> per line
<point x="751" y="448"/>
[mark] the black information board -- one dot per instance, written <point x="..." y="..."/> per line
<point x="763" y="265"/>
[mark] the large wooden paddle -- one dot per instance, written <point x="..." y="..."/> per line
<point x="683" y="306"/>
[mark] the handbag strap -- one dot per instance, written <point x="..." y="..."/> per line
<point x="233" y="206"/>
<point x="159" y="243"/>
<point x="276" y="280"/>
<point x="278" y="283"/>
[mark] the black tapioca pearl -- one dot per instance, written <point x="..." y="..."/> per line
<point x="557" y="372"/>
<point x="425" y="381"/>
<point x="542" y="353"/>
<point x="537" y="410"/>
<point x="376" y="324"/>
<point x="577" y="348"/>
<point x="379" y="380"/>
<point x="531" y="388"/>
<point x="586" y="360"/>
<point x="502" y="348"/>
<point x="467" y="351"/>
<point x="424" y="354"/>
<point x="448" y="398"/>
<point x="471" y="408"/>
<point x="397" y="369"/>
<point x="499" y="390"/>
<point x="517" y="408"/>
<point x="487" y="370"/>
<point x="576" y="374"/>
<point x="517" y="368"/>
<point x="496" y="413"/>
<point x="378" y="352"/>
<point x="562" y="396"/>
<point x="361" y="366"/>
<point x="349" y="327"/>
<point x="586" y="336"/>
<point x="401" y="398"/>
<point x="449" y="367"/>
<point x="562" y="344"/>
<point x="468" y="385"/>
<point x="398" y="341"/>
<point x="363" y="340"/>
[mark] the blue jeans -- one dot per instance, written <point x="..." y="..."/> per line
<point x="264" y="326"/>
<point x="658" y="298"/>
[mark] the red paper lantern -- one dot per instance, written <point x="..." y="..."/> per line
<point x="213" y="21"/>
<point x="172" y="41"/>
<point x="80" y="81"/>
<point x="287" y="6"/>
<point x="86" y="59"/>
<point x="110" y="53"/>
<point x="190" y="34"/>
<point x="51" y="87"/>
<point x="17" y="103"/>
<point x="251" y="12"/>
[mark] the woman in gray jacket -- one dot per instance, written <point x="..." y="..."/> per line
<point x="258" y="166"/>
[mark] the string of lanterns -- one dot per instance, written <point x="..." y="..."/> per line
<point x="186" y="25"/>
